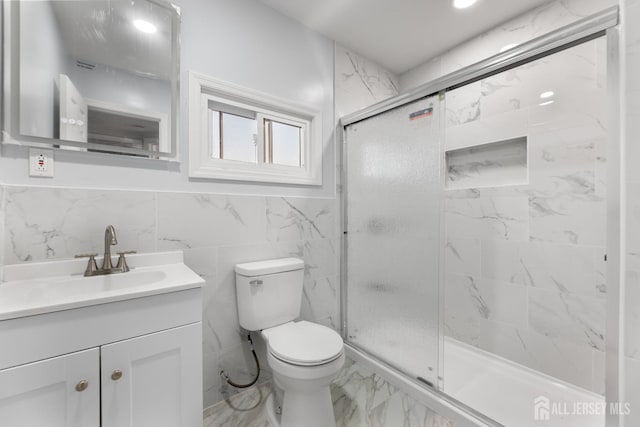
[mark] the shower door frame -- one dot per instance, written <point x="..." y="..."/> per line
<point x="604" y="23"/>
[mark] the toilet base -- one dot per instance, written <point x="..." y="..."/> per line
<point x="306" y="400"/>
<point x="308" y="410"/>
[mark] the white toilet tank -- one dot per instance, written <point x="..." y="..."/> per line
<point x="269" y="293"/>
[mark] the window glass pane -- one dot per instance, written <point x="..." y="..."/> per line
<point x="285" y="144"/>
<point x="239" y="138"/>
<point x="214" y="133"/>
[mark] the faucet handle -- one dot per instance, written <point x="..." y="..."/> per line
<point x="122" y="262"/>
<point x="85" y="255"/>
<point x="92" y="266"/>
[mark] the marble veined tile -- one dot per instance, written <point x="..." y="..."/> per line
<point x="462" y="256"/>
<point x="463" y="104"/>
<point x="520" y="88"/>
<point x="567" y="199"/>
<point x="361" y="398"/>
<point x="557" y="357"/>
<point x="360" y="82"/>
<point x="204" y="262"/>
<point x="488" y="165"/>
<point x="321" y="257"/>
<point x="578" y="319"/>
<point x="191" y="220"/>
<point x="488" y="218"/>
<point x="565" y="150"/>
<point x="563" y="268"/>
<point x="473" y="299"/>
<point x="300" y="218"/>
<point x="356" y="393"/>
<point x="241" y="410"/>
<point x="508" y="125"/>
<point x="46" y="223"/>
<point x="321" y="299"/>
<point x="402" y="410"/>
<point x="572" y="217"/>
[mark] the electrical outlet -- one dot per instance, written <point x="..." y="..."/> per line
<point x="40" y="162"/>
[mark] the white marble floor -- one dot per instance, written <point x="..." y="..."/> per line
<point x="360" y="399"/>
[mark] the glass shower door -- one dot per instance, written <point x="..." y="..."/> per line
<point x="393" y="234"/>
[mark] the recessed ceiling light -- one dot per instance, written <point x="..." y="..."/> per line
<point x="145" y="26"/>
<point x="507" y="47"/>
<point x="548" y="94"/>
<point x="463" y="4"/>
<point x="542" y="104"/>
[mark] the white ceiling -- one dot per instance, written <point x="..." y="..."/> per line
<point x="400" y="34"/>
<point x="102" y="31"/>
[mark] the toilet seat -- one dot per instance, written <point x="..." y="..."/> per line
<point x="304" y="343"/>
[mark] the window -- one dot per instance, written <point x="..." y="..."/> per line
<point x="239" y="134"/>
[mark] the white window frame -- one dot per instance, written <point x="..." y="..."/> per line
<point x="203" y="89"/>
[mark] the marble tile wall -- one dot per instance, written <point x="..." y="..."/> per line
<point x="525" y="261"/>
<point x="498" y="163"/>
<point x="214" y="231"/>
<point x="528" y="26"/>
<point x="631" y="112"/>
<point x="360" y="82"/>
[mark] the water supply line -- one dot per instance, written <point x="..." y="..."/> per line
<point x="255" y="357"/>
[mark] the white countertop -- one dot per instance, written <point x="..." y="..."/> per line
<point x="44" y="287"/>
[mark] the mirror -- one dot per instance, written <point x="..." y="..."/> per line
<point x="93" y="75"/>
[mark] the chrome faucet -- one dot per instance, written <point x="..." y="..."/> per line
<point x="109" y="240"/>
<point x="107" y="266"/>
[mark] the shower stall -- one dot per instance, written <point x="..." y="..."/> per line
<point x="475" y="228"/>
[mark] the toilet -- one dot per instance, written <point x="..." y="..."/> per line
<point x="304" y="357"/>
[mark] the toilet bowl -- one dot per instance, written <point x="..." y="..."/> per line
<point x="305" y="357"/>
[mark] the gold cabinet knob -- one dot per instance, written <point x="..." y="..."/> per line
<point x="82" y="385"/>
<point x="116" y="375"/>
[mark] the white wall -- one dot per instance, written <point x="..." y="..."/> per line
<point x="42" y="59"/>
<point x="535" y="23"/>
<point x="240" y="41"/>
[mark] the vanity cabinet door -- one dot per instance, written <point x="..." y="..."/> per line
<point x="154" y="380"/>
<point x="62" y="391"/>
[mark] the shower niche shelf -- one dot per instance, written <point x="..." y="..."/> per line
<point x="492" y="164"/>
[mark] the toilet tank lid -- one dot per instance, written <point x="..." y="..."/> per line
<point x="271" y="266"/>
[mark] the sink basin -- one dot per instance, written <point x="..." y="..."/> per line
<point x="38" y="288"/>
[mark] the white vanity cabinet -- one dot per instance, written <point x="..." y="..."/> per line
<point x="62" y="391"/>
<point x="153" y="380"/>
<point x="129" y="356"/>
